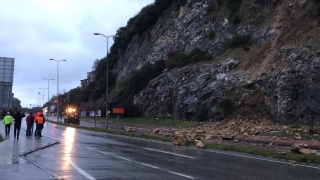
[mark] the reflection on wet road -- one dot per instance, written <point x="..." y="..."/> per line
<point x="84" y="154"/>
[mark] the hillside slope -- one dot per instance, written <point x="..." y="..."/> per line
<point x="264" y="61"/>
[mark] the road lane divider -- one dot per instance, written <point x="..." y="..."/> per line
<point x="74" y="165"/>
<point x="81" y="171"/>
<point x="261" y="159"/>
<point x="141" y="163"/>
<point x="166" y="152"/>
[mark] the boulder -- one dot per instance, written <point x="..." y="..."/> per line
<point x="201" y="131"/>
<point x="156" y="131"/>
<point x="307" y="151"/>
<point x="199" y="144"/>
<point x="295" y="148"/>
<point x="193" y="136"/>
<point x="208" y="136"/>
<point x="215" y="133"/>
<point x="297" y="138"/>
<point x="180" y="139"/>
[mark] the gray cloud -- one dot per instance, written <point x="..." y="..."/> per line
<point x="32" y="32"/>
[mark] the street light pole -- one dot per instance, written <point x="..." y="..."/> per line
<point x="48" y="94"/>
<point x="43" y="95"/>
<point x="58" y="85"/>
<point x="107" y="98"/>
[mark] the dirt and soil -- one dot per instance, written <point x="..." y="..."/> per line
<point x="263" y="133"/>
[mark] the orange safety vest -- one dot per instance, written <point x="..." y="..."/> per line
<point x="40" y="120"/>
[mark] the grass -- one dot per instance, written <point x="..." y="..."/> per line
<point x="268" y="153"/>
<point x="149" y="121"/>
<point x="225" y="147"/>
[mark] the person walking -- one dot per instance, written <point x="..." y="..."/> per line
<point x="39" y="121"/>
<point x="17" y="123"/>
<point x="7" y="121"/>
<point x="30" y="122"/>
<point x="35" y="120"/>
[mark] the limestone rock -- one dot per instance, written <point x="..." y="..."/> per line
<point x="307" y="151"/>
<point x="180" y="139"/>
<point x="156" y="131"/>
<point x="200" y="145"/>
<point x="295" y="148"/>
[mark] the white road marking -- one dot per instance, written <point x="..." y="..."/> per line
<point x="79" y="169"/>
<point x="143" y="164"/>
<point x="166" y="152"/>
<point x="262" y="159"/>
<point x="123" y="158"/>
<point x="148" y="165"/>
<point x="190" y="177"/>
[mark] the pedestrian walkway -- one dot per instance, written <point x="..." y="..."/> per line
<point x="13" y="164"/>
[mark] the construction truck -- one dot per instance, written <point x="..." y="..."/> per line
<point x="71" y="116"/>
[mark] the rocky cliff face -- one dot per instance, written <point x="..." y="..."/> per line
<point x="278" y="76"/>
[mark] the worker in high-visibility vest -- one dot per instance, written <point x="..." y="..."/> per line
<point x="40" y="120"/>
<point x="35" y="118"/>
<point x="7" y="121"/>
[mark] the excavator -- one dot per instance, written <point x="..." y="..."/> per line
<point x="71" y="115"/>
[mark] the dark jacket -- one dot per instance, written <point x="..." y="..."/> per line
<point x="30" y="119"/>
<point x="18" y="117"/>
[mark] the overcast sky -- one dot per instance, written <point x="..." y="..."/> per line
<point x="32" y="32"/>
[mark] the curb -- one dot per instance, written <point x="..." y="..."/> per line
<point x="37" y="149"/>
<point x="35" y="164"/>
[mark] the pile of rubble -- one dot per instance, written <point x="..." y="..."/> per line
<point x="234" y="130"/>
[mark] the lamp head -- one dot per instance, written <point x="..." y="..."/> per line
<point x="51" y="59"/>
<point x="96" y="33"/>
<point x="64" y="60"/>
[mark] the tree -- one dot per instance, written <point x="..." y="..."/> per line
<point x="94" y="106"/>
<point x="95" y="64"/>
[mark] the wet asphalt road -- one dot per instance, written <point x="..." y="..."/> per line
<point x="83" y="154"/>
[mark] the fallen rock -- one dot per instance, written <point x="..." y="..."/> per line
<point x="156" y="131"/>
<point x="199" y="144"/>
<point x="227" y="138"/>
<point x="293" y="162"/>
<point x="297" y="138"/>
<point x="215" y="133"/>
<point x="200" y="131"/>
<point x="208" y="136"/>
<point x="307" y="151"/>
<point x="295" y="148"/>
<point x="180" y="139"/>
<point x="193" y="136"/>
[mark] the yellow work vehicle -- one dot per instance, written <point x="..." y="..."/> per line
<point x="71" y="116"/>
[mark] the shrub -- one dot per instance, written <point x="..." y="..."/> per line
<point x="178" y="59"/>
<point x="175" y="59"/>
<point x="139" y="80"/>
<point x="239" y="41"/>
<point x="179" y="3"/>
<point x="227" y="106"/>
<point x="202" y="113"/>
<point x="212" y="34"/>
<point x="233" y="8"/>
<point x="318" y="10"/>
